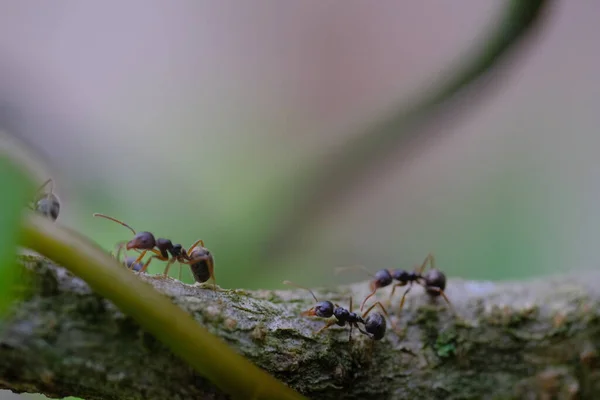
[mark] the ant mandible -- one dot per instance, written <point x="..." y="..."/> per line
<point x="47" y="203"/>
<point x="375" y="324"/>
<point x="434" y="281"/>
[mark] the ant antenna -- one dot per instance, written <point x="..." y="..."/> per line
<point x="114" y="220"/>
<point x="46" y="183"/>
<point x="301" y="287"/>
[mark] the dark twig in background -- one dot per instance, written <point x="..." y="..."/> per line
<point x="327" y="181"/>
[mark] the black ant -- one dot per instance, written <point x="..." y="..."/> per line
<point x="375" y="324"/>
<point x="132" y="265"/>
<point x="197" y="256"/>
<point x="47" y="203"/>
<point x="434" y="281"/>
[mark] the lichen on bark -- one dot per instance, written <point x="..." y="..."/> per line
<point x="534" y="339"/>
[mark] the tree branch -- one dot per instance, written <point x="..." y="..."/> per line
<point x="535" y="339"/>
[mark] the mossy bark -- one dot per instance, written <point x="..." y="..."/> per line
<point x="533" y="340"/>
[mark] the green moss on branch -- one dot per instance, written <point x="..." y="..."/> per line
<point x="511" y="340"/>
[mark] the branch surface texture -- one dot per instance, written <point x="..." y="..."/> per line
<point x="526" y="340"/>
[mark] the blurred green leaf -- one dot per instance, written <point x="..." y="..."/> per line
<point x="17" y="190"/>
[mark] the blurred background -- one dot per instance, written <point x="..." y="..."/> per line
<point x="190" y="119"/>
<point x="193" y="119"/>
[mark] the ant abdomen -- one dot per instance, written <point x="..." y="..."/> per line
<point x="376" y="325"/>
<point x="200" y="271"/>
<point x="201" y="264"/>
<point x="435" y="282"/>
<point x="48" y="205"/>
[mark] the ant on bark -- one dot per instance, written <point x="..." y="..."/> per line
<point x="197" y="256"/>
<point x="434" y="281"/>
<point x="375" y="324"/>
<point x="132" y="265"/>
<point x="47" y="203"/>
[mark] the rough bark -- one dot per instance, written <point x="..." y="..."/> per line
<point x="533" y="340"/>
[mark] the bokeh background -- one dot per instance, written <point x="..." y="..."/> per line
<point x="185" y="118"/>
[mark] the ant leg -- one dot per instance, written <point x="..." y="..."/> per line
<point x="137" y="260"/>
<point x="143" y="253"/>
<point x="328" y="325"/>
<point x="367" y="298"/>
<point x="441" y="292"/>
<point x="196" y="243"/>
<point x="119" y="249"/>
<point x="179" y="276"/>
<point x="429" y="259"/>
<point x="168" y="267"/>
<point x="377" y="303"/>
<point x="211" y="271"/>
<point x="44" y="185"/>
<point x="363" y="332"/>
<point x="404" y="296"/>
<point x="394" y="289"/>
<point x="160" y="257"/>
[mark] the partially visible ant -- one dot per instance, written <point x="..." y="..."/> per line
<point x="47" y="204"/>
<point x="434" y="281"/>
<point x="197" y="257"/>
<point x="375" y="324"/>
<point x="132" y="265"/>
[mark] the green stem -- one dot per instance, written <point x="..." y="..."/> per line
<point x="326" y="182"/>
<point x="210" y="356"/>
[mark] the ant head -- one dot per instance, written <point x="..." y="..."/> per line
<point x="48" y="205"/>
<point x="323" y="309"/>
<point x="142" y="241"/>
<point x="401" y="275"/>
<point x="381" y="279"/>
<point x="376" y="325"/>
<point x="436" y="279"/>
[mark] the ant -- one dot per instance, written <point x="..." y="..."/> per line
<point x="131" y="264"/>
<point x="434" y="281"/>
<point x="47" y="203"/>
<point x="198" y="257"/>
<point x="375" y="324"/>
